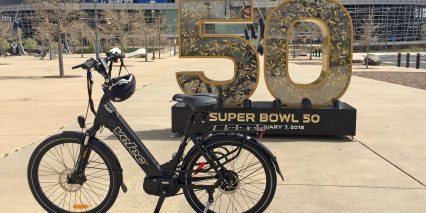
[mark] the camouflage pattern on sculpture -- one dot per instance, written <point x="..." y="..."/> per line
<point x="336" y="25"/>
<point x="195" y="44"/>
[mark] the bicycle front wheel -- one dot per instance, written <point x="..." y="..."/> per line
<point x="49" y="170"/>
<point x="251" y="179"/>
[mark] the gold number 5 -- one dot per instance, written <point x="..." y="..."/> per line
<point x="195" y="43"/>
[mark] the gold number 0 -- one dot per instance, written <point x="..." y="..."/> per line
<point x="336" y="25"/>
<point x="194" y="43"/>
<point x="331" y="16"/>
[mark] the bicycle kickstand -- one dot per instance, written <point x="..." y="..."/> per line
<point x="209" y="201"/>
<point x="160" y="201"/>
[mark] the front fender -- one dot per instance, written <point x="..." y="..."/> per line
<point x="254" y="141"/>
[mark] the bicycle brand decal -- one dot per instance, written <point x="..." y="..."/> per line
<point x="130" y="145"/>
<point x="107" y="108"/>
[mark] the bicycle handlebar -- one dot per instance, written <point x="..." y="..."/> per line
<point x="102" y="65"/>
<point x="114" y="57"/>
<point x="89" y="64"/>
<point x="76" y="67"/>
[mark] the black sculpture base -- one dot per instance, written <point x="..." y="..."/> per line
<point x="336" y="120"/>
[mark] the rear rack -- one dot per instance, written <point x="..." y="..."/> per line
<point x="238" y="128"/>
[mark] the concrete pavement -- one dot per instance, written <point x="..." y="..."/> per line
<point x="384" y="170"/>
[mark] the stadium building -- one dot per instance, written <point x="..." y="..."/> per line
<point x="402" y="22"/>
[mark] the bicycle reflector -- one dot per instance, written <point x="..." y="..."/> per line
<point x="200" y="167"/>
<point x="80" y="206"/>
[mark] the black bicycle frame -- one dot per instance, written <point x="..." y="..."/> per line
<point x="108" y="116"/>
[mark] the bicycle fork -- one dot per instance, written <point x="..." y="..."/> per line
<point x="77" y="176"/>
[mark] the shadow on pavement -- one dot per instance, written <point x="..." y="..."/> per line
<point x="36" y="77"/>
<point x="166" y="134"/>
<point x="309" y="139"/>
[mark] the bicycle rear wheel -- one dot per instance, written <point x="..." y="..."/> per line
<point x="251" y="177"/>
<point x="49" y="170"/>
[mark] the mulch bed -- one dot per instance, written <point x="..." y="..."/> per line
<point x="409" y="79"/>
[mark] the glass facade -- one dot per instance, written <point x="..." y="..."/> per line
<point x="397" y="22"/>
<point x="400" y="21"/>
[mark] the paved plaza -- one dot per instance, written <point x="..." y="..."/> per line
<point x="382" y="170"/>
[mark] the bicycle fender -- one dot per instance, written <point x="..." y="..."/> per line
<point x="100" y="144"/>
<point x="268" y="152"/>
<point x="255" y="142"/>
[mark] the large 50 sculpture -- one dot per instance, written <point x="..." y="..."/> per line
<point x="329" y="15"/>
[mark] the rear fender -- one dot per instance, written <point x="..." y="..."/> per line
<point x="255" y="142"/>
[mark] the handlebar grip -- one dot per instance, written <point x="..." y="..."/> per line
<point x="89" y="64"/>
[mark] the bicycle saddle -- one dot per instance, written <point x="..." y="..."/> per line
<point x="198" y="102"/>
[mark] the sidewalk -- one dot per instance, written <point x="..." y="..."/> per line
<point x="384" y="170"/>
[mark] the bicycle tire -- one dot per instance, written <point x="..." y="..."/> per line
<point x="270" y="175"/>
<point x="73" y="139"/>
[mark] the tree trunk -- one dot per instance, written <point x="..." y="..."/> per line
<point x="153" y="49"/>
<point x="106" y="44"/>
<point x="42" y="48"/>
<point x="61" y="60"/>
<point x="3" y="52"/>
<point x="146" y="49"/>
<point x="50" y="49"/>
<point x="2" y="48"/>
<point x="174" y="47"/>
<point x="159" y="45"/>
<point x="81" y="47"/>
<point x="366" y="61"/>
<point x="122" y="44"/>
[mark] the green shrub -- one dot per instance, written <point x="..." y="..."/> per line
<point x="4" y="43"/>
<point x="86" y="50"/>
<point x="30" y="44"/>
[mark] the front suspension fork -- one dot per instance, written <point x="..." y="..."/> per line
<point x="78" y="177"/>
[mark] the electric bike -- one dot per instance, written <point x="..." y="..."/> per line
<point x="225" y="170"/>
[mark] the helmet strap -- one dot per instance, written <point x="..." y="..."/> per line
<point x="89" y="91"/>
<point x="121" y="67"/>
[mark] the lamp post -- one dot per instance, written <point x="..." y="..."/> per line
<point x="153" y="39"/>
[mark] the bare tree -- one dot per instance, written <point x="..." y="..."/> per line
<point x="78" y="32"/>
<point x="119" y="23"/>
<point x="369" y="34"/>
<point x="142" y="28"/>
<point x="308" y="31"/>
<point x="5" y="33"/>
<point x="158" y="27"/>
<point x="44" y="31"/>
<point x="59" y="14"/>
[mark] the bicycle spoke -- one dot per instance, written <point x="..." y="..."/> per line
<point x="247" y="168"/>
<point x="53" y="174"/>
